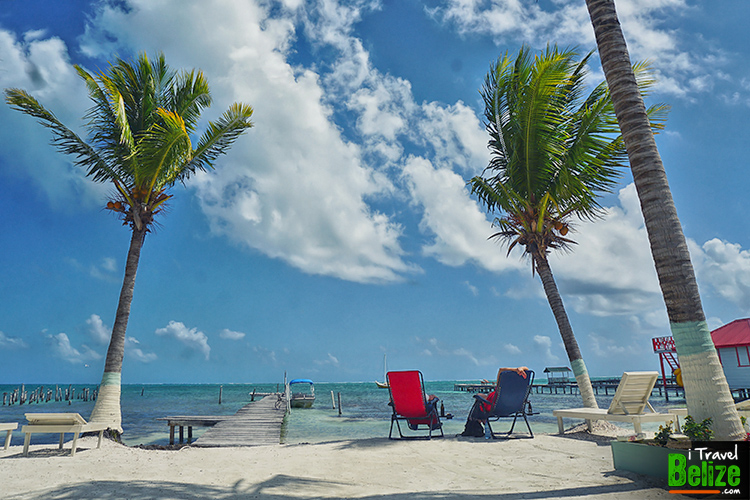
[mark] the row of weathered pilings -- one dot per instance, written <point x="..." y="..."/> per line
<point x="44" y="394"/>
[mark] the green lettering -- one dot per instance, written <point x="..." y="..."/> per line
<point x="677" y="475"/>
<point x="694" y="475"/>
<point x="733" y="475"/>
<point x="720" y="470"/>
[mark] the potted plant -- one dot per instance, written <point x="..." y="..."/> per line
<point x="651" y="456"/>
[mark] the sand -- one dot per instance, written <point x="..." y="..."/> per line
<point x="577" y="465"/>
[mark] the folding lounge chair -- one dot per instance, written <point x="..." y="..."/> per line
<point x="8" y="427"/>
<point x="410" y="403"/>
<point x="60" y="423"/>
<point x="628" y="404"/>
<point x="512" y="401"/>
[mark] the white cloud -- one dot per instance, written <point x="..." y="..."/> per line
<point x="512" y="349"/>
<point x="329" y="360"/>
<point x="133" y="351"/>
<point x="645" y="24"/>
<point x="725" y="267"/>
<point x="97" y="330"/>
<point x="7" y="342"/>
<point x="434" y="347"/>
<point x="62" y="348"/>
<point x="474" y="290"/>
<point x="190" y="337"/>
<point x="610" y="271"/>
<point x="231" y="335"/>
<point x="293" y="187"/>
<point x="460" y="229"/>
<point x="265" y="355"/>
<point x="42" y="67"/>
<point x="543" y="344"/>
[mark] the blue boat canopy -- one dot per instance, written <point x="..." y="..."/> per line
<point x="301" y="381"/>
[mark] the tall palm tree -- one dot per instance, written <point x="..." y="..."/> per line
<point x="706" y="389"/>
<point x="140" y="129"/>
<point x="553" y="152"/>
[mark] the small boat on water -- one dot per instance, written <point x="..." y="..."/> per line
<point x="301" y="399"/>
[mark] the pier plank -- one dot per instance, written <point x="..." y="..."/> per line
<point x="255" y="424"/>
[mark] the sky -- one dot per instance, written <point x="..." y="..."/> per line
<point x="340" y="229"/>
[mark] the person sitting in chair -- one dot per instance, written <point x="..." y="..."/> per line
<point x="477" y="419"/>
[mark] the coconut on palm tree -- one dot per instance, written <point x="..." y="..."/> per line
<point x="706" y="389"/>
<point x="554" y="151"/>
<point x="141" y="131"/>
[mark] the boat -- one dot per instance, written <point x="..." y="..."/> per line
<point x="301" y="399"/>
<point x="384" y="384"/>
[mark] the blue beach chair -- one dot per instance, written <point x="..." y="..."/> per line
<point x="512" y="401"/>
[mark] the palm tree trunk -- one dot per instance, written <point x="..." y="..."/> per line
<point x="566" y="331"/>
<point x="107" y="408"/>
<point x="706" y="388"/>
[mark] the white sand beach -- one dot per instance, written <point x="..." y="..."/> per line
<point x="576" y="465"/>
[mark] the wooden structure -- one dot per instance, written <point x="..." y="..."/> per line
<point x="665" y="348"/>
<point x="558" y="375"/>
<point x="255" y="424"/>
<point x="629" y="404"/>
<point x="190" y="421"/>
<point x="732" y="343"/>
<point x="60" y="423"/>
<point x="8" y="427"/>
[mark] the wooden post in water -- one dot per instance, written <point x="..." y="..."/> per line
<point x="221" y="389"/>
<point x="339" y="403"/>
<point x="252" y="396"/>
<point x="333" y="402"/>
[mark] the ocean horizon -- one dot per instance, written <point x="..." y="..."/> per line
<point x="364" y="409"/>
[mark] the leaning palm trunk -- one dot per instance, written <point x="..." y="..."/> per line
<point x="107" y="407"/>
<point x="706" y="389"/>
<point x="566" y="331"/>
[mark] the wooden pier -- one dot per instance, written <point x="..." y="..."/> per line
<point x="255" y="424"/>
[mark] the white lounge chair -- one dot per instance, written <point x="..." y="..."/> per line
<point x="60" y="423"/>
<point x="629" y="404"/>
<point x="8" y="426"/>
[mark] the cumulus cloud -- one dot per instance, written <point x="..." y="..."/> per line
<point x="294" y="187"/>
<point x="512" y="349"/>
<point x="265" y="355"/>
<point x="681" y="71"/>
<point x="610" y="271"/>
<point x="231" y="335"/>
<point x="63" y="349"/>
<point x="7" y="342"/>
<point x="42" y="67"/>
<point x="543" y="344"/>
<point x="97" y="330"/>
<point x="434" y="347"/>
<point x="725" y="268"/>
<point x="452" y="218"/>
<point x="189" y="337"/>
<point x="133" y="351"/>
<point x="330" y="360"/>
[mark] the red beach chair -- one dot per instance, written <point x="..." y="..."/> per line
<point x="410" y="403"/>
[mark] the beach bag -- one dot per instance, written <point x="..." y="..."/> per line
<point x="473" y="428"/>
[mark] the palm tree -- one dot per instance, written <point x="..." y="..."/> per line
<point x="553" y="152"/>
<point x="140" y="129"/>
<point x="706" y="389"/>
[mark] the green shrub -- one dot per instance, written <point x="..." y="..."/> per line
<point x="696" y="431"/>
<point x="664" y="434"/>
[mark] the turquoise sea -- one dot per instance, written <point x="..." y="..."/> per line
<point x="364" y="410"/>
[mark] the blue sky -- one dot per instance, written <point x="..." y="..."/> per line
<point x="340" y="228"/>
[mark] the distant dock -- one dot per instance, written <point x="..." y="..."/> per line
<point x="603" y="386"/>
<point x="255" y="424"/>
